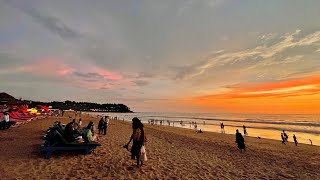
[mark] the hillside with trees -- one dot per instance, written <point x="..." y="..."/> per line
<point x="84" y="106"/>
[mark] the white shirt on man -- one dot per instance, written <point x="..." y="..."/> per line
<point x="106" y="120"/>
<point x="6" y="118"/>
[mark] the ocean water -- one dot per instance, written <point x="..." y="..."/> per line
<point x="270" y="126"/>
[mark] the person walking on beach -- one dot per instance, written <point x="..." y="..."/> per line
<point x="283" y="138"/>
<point x="139" y="139"/>
<point x="240" y="141"/>
<point x="222" y="128"/>
<point x="105" y="125"/>
<point x="245" y="130"/>
<point x="310" y="141"/>
<point x="295" y="140"/>
<point x="100" y="125"/>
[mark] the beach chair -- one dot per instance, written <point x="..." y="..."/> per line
<point x="61" y="144"/>
<point x="21" y="116"/>
<point x="15" y="116"/>
<point x="27" y="115"/>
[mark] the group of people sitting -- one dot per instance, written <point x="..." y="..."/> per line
<point x="74" y="132"/>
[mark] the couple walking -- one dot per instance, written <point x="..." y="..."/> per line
<point x="103" y="125"/>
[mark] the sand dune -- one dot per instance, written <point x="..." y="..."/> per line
<point x="173" y="153"/>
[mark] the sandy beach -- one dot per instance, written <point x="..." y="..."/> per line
<point x="173" y="153"/>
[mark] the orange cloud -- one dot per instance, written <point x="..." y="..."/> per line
<point x="296" y="87"/>
<point x="291" y="96"/>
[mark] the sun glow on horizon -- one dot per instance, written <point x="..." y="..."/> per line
<point x="292" y="96"/>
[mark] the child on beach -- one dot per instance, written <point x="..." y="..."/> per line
<point x="139" y="140"/>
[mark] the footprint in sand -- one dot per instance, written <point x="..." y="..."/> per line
<point x="130" y="168"/>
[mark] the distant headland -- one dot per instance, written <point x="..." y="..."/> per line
<point x="8" y="100"/>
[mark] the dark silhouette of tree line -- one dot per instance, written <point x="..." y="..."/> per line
<point x="83" y="106"/>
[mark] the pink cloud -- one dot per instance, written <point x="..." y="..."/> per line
<point x="82" y="75"/>
<point x="46" y="67"/>
<point x="104" y="73"/>
<point x="54" y="66"/>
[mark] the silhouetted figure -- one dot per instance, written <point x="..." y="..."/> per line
<point x="310" y="141"/>
<point x="240" y="141"/>
<point x="295" y="140"/>
<point x="68" y="131"/>
<point x="204" y="123"/>
<point x="259" y="137"/>
<point x="283" y="138"/>
<point x="245" y="130"/>
<point x="75" y="126"/>
<point x="105" y="125"/>
<point x="100" y="125"/>
<point x="222" y="128"/>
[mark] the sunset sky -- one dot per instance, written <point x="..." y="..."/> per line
<point x="164" y="55"/>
